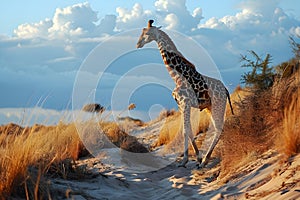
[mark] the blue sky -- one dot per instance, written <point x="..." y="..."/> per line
<point x="44" y="43"/>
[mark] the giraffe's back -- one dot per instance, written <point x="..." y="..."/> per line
<point x="197" y="83"/>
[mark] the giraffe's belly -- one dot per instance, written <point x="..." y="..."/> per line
<point x="202" y="104"/>
<point x="197" y="99"/>
<point x="201" y="99"/>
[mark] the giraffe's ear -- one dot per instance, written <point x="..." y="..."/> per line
<point x="159" y="27"/>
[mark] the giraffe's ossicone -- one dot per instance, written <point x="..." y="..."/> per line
<point x="192" y="90"/>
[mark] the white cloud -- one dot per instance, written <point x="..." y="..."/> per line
<point x="134" y="18"/>
<point x="127" y="15"/>
<point x="197" y="13"/>
<point x="242" y="21"/>
<point x="172" y="21"/>
<point x="39" y="29"/>
<point x="71" y="33"/>
<point x="256" y="17"/>
<point x="265" y="8"/>
<point x="212" y="23"/>
<point x="174" y="15"/>
<point x="260" y="26"/>
<point x="74" y="21"/>
<point x="78" y="16"/>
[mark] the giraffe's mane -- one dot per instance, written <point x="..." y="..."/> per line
<point x="187" y="61"/>
<point x="165" y="35"/>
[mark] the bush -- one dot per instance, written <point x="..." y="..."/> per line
<point x="262" y="75"/>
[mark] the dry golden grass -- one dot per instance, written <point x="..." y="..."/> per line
<point x="121" y="139"/>
<point x="263" y="120"/>
<point x="170" y="133"/>
<point x="38" y="146"/>
<point x="170" y="128"/>
<point x="247" y="133"/>
<point x="289" y="135"/>
<point x="291" y="127"/>
<point x="28" y="154"/>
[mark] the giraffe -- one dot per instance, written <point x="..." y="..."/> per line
<point x="192" y="90"/>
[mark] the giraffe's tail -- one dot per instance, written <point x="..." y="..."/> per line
<point x="228" y="96"/>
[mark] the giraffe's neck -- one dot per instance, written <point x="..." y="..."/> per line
<point x="172" y="58"/>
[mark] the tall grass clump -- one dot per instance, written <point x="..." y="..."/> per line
<point x="117" y="137"/>
<point x="247" y="133"/>
<point x="291" y="126"/>
<point x="28" y="155"/>
<point x="289" y="137"/>
<point x="264" y="119"/>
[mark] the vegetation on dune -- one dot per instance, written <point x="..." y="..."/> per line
<point x="267" y="116"/>
<point x="288" y="95"/>
<point x="264" y="120"/>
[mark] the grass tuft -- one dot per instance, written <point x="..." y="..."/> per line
<point x="289" y="139"/>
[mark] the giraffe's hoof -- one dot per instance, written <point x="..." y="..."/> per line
<point x="181" y="165"/>
<point x="201" y="165"/>
<point x="183" y="162"/>
<point x="199" y="159"/>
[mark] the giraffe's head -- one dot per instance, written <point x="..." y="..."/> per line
<point x="148" y="34"/>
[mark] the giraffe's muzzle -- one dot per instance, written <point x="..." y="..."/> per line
<point x="139" y="45"/>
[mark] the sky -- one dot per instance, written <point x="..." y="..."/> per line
<point x="45" y="47"/>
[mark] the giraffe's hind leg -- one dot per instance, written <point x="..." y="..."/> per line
<point x="205" y="159"/>
<point x="217" y="120"/>
<point x="197" y="152"/>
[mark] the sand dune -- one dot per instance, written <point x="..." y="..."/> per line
<point x="263" y="178"/>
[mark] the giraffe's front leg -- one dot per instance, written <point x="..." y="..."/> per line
<point x="186" y="131"/>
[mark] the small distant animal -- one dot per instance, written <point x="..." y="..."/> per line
<point x="94" y="108"/>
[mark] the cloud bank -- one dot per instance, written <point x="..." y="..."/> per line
<point x="41" y="58"/>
